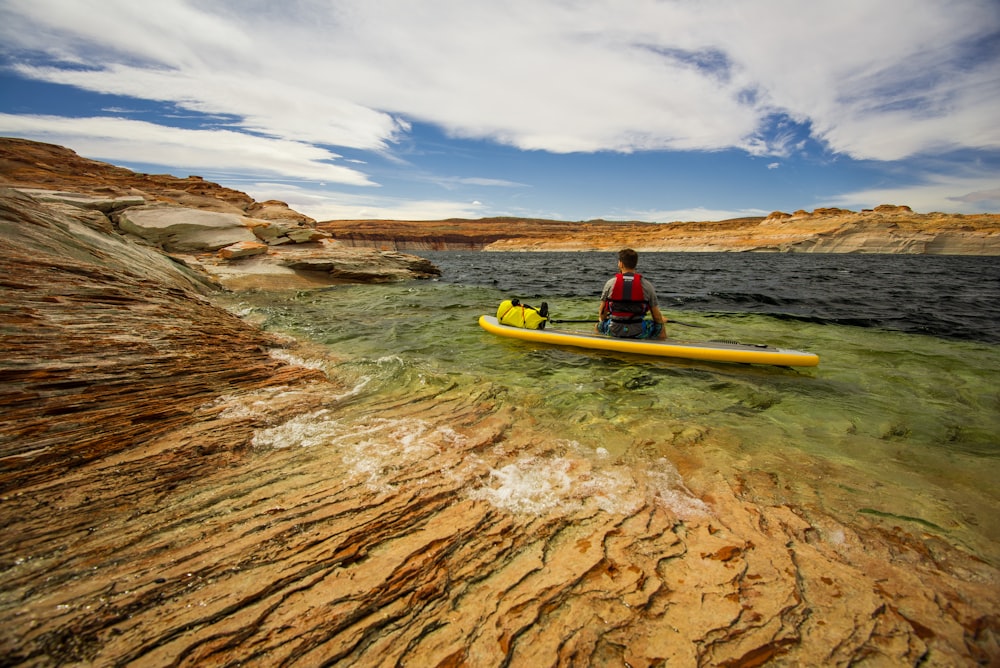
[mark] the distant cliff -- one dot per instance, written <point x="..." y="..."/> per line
<point x="885" y="229"/>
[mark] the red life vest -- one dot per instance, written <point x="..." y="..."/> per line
<point x="627" y="303"/>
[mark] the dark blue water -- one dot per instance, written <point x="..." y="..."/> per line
<point x="956" y="297"/>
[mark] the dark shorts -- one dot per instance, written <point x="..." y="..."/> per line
<point x="645" y="329"/>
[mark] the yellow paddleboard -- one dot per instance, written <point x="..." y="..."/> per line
<point x="710" y="351"/>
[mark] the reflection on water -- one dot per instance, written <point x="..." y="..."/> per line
<point x="891" y="426"/>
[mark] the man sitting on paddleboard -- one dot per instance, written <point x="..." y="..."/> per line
<point x="627" y="297"/>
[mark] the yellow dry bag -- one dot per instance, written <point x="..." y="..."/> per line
<point x="515" y="314"/>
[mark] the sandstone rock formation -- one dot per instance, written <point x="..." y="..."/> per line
<point x="181" y="230"/>
<point x="175" y="489"/>
<point x="885" y="229"/>
<point x="178" y="488"/>
<point x="191" y="219"/>
<point x="30" y="164"/>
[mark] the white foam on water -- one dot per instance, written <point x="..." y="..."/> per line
<point x="530" y="485"/>
<point x="250" y="405"/>
<point x="374" y="449"/>
<point x="614" y="491"/>
<point x="295" y="360"/>
<point x="669" y="489"/>
<point x="371" y="450"/>
<point x="383" y="366"/>
<point x="358" y="388"/>
<point x="536" y="485"/>
<point x="305" y="431"/>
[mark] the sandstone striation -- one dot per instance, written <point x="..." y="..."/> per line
<point x="30" y="164"/>
<point x="235" y="241"/>
<point x="179" y="488"/>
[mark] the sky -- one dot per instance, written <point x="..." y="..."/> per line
<point x="653" y="110"/>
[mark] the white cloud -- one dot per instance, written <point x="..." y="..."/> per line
<point x="322" y="204"/>
<point x="989" y="198"/>
<point x="873" y="80"/>
<point x="121" y="140"/>
<point x="879" y="80"/>
<point x="957" y="194"/>
<point x="695" y="214"/>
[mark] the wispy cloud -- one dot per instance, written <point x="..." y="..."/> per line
<point x="329" y="204"/>
<point x="539" y="75"/>
<point x="691" y="215"/>
<point x="868" y="80"/>
<point x="932" y="193"/>
<point x="117" y="139"/>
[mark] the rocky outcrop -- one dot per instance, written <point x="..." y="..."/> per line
<point x="90" y="320"/>
<point x="178" y="488"/>
<point x="182" y="230"/>
<point x="35" y="165"/>
<point x="233" y="240"/>
<point x="885" y="229"/>
<point x="248" y="266"/>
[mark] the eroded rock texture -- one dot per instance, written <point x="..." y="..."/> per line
<point x="173" y="493"/>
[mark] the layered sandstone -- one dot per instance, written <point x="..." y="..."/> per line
<point x="224" y="234"/>
<point x="45" y="167"/>
<point x="885" y="229"/>
<point x="178" y="488"/>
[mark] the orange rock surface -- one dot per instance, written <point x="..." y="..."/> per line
<point x="30" y="164"/>
<point x="178" y="488"/>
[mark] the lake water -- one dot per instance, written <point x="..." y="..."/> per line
<point x="899" y="424"/>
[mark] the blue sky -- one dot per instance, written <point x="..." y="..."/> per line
<point x="657" y="110"/>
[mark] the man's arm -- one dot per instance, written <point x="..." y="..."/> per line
<point x="660" y="318"/>
<point x="605" y="310"/>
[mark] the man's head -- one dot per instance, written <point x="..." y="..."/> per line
<point x="628" y="259"/>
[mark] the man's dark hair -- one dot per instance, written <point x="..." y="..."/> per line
<point x="628" y="257"/>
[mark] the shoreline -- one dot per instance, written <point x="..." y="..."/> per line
<point x="886" y="229"/>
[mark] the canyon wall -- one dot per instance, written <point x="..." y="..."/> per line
<point x="885" y="229"/>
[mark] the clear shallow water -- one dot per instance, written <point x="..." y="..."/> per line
<point x="894" y="425"/>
